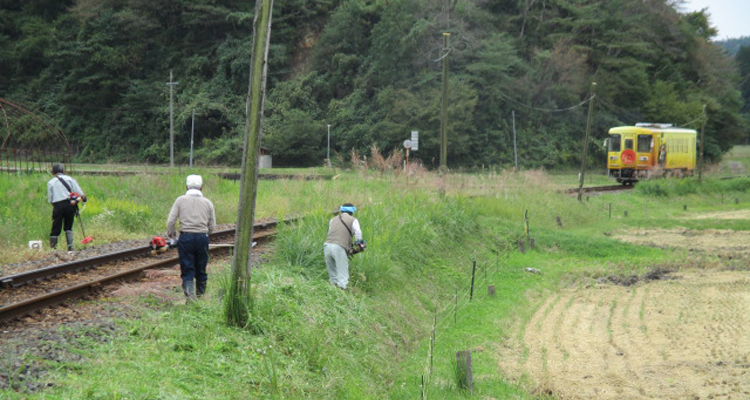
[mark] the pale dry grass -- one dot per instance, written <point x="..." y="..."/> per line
<point x="709" y="241"/>
<point x="738" y="214"/>
<point x="678" y="338"/>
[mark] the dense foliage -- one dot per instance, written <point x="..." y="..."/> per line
<point x="372" y="70"/>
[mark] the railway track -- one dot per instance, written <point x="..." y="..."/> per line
<point x="31" y="291"/>
<point x="600" y="189"/>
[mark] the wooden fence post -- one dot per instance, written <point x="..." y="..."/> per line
<point x="464" y="374"/>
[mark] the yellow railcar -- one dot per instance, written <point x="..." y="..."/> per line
<point x="647" y="150"/>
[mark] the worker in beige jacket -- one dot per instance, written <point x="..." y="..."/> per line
<point x="197" y="220"/>
<point x="337" y="247"/>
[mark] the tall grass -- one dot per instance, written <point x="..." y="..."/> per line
<point x="306" y="339"/>
<point x="136" y="206"/>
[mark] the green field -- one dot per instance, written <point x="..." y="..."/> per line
<point x="396" y="334"/>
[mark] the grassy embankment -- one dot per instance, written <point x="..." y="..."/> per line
<point x="310" y="340"/>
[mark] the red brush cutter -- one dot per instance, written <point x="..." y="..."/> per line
<point x="86" y="239"/>
<point x="160" y="244"/>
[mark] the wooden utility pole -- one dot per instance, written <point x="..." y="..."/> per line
<point x="444" y="108"/>
<point x="703" y="130"/>
<point x="239" y="292"/>
<point x="586" y="141"/>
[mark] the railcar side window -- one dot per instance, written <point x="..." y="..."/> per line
<point x="644" y="143"/>
<point x="614" y="143"/>
<point x="628" y="144"/>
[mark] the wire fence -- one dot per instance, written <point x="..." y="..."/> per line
<point x="448" y="311"/>
<point x="25" y="161"/>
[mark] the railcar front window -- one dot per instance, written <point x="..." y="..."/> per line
<point x="628" y="144"/>
<point x="614" y="143"/>
<point x="644" y="143"/>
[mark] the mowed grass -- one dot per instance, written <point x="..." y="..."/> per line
<point x="396" y="333"/>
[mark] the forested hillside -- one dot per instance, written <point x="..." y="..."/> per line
<point x="734" y="45"/>
<point x="372" y="70"/>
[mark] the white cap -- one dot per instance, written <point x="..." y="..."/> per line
<point x="194" y="182"/>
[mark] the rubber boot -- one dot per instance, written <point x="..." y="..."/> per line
<point x="201" y="288"/>
<point x="69" y="238"/>
<point x="53" y="242"/>
<point x="188" y="287"/>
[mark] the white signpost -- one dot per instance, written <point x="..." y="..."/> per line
<point x="408" y="145"/>
<point x="415" y="140"/>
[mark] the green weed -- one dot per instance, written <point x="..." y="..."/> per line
<point x="306" y="339"/>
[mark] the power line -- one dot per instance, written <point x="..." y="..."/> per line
<point x="549" y="110"/>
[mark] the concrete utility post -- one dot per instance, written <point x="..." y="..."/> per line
<point x="703" y="130"/>
<point x="444" y="109"/>
<point x="192" y="134"/>
<point x="171" y="84"/>
<point x="239" y="291"/>
<point x="586" y="141"/>
<point x="515" y="145"/>
<point x="328" y="151"/>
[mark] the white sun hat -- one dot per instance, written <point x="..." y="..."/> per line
<point x="194" y="182"/>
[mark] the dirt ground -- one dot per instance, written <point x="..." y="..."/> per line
<point x="684" y="336"/>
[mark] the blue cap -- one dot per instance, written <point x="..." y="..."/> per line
<point x="349" y="209"/>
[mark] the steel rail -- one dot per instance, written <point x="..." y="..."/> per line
<point x="26" y="307"/>
<point x="613" y="188"/>
<point x="24" y="278"/>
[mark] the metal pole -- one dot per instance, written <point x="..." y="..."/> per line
<point x="328" y="150"/>
<point x="473" y="274"/>
<point x="444" y="109"/>
<point x="515" y="146"/>
<point x="586" y="141"/>
<point x="192" y="135"/>
<point x="171" y="84"/>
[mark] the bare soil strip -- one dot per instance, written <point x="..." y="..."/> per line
<point x="681" y="338"/>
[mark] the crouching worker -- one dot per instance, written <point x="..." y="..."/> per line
<point x="64" y="194"/>
<point x="197" y="220"/>
<point x="341" y="229"/>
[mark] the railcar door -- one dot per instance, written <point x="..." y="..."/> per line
<point x="644" y="152"/>
<point x="613" y="152"/>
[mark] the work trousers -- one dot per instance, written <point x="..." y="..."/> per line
<point x="63" y="216"/>
<point x="337" y="264"/>
<point x="193" y="251"/>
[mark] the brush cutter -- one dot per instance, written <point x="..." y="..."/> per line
<point x="86" y="239"/>
<point x="160" y="244"/>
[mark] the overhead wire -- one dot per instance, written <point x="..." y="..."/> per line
<point x="550" y="110"/>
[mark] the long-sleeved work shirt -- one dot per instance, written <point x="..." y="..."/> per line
<point x="56" y="191"/>
<point x="195" y="213"/>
